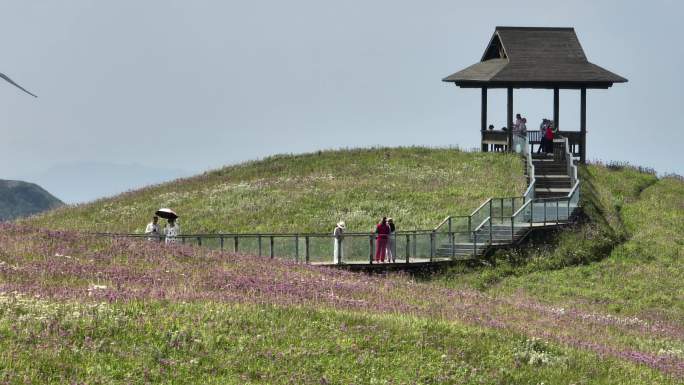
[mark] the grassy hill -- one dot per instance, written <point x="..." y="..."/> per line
<point x="311" y="192"/>
<point x="21" y="199"/>
<point x="599" y="303"/>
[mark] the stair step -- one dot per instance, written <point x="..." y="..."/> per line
<point x="555" y="190"/>
<point x="551" y="176"/>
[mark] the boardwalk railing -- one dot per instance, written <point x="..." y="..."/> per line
<point x="315" y="248"/>
<point x="496" y="222"/>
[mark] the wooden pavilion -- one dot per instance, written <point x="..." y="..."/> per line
<point x="536" y="58"/>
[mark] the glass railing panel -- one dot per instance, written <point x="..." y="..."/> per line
<point x="355" y="248"/>
<point x="459" y="224"/>
<point x="524" y="215"/>
<point x="249" y="245"/>
<point x="321" y="249"/>
<point x="285" y="247"/>
<point x="483" y="212"/>
<point x="211" y="242"/>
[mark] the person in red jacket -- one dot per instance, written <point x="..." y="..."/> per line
<point x="382" y="230"/>
<point x="549" y="139"/>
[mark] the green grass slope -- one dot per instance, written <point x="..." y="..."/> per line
<point x="311" y="192"/>
<point x="20" y="199"/>
<point x="625" y="258"/>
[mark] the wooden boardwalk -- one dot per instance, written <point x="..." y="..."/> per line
<point x="551" y="200"/>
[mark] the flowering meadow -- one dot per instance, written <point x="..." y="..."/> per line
<point x="82" y="309"/>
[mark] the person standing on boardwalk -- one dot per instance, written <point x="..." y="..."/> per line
<point x="338" y="237"/>
<point x="153" y="229"/>
<point x="171" y="231"/>
<point x="392" y="242"/>
<point x="382" y="232"/>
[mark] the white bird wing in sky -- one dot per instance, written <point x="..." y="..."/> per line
<point x="10" y="81"/>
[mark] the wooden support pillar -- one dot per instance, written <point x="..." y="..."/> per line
<point x="483" y="126"/>
<point x="556" y="117"/>
<point x="509" y="122"/>
<point x="583" y="125"/>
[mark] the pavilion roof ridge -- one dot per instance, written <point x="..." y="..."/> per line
<point x="507" y="27"/>
<point x="535" y="57"/>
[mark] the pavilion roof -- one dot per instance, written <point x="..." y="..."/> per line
<point x="534" y="57"/>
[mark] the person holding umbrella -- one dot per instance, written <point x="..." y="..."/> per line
<point x="171" y="230"/>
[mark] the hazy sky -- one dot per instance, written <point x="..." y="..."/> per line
<point x="194" y="85"/>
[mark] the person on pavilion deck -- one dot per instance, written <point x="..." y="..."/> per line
<point x="548" y="136"/>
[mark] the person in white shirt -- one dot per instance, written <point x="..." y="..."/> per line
<point x="523" y="127"/>
<point x="171" y="231"/>
<point x="153" y="230"/>
<point x="338" y="235"/>
<point x="518" y="122"/>
<point x="392" y="243"/>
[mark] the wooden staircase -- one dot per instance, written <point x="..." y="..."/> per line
<point x="551" y="200"/>
<point x="501" y="235"/>
<point x="552" y="176"/>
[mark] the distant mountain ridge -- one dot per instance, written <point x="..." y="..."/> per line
<point x="81" y="182"/>
<point x="21" y="199"/>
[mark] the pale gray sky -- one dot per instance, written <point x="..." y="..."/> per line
<point x="194" y="85"/>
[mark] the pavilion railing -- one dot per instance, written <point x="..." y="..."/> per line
<point x="574" y="140"/>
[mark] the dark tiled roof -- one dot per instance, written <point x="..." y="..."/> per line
<point x="534" y="57"/>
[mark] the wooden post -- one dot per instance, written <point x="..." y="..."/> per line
<point x="296" y="239"/>
<point x="532" y="213"/>
<point x="306" y="249"/>
<point x="556" y="98"/>
<point x="483" y="125"/>
<point x="271" y="247"/>
<point x="509" y="122"/>
<point x="452" y="240"/>
<point x="432" y="245"/>
<point x="474" y="244"/>
<point x="408" y="247"/>
<point x="259" y="241"/>
<point x="370" y="247"/>
<point x="583" y="125"/>
<point x="221" y="242"/>
<point x="236" y="244"/>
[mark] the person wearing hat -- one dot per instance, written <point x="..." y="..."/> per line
<point x="338" y="237"/>
<point x="153" y="230"/>
<point x="391" y="242"/>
